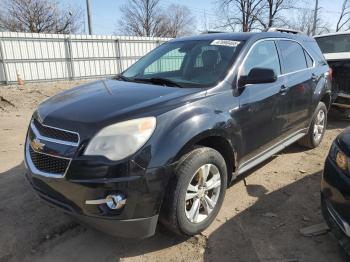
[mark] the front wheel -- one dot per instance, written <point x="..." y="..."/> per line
<point x="196" y="192"/>
<point x="317" y="128"/>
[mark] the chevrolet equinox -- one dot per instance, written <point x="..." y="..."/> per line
<point x="163" y="140"/>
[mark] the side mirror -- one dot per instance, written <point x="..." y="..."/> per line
<point x="258" y="76"/>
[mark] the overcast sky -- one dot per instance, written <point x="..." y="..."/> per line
<point x="106" y="12"/>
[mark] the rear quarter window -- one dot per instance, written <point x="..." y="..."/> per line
<point x="316" y="52"/>
<point x="309" y="60"/>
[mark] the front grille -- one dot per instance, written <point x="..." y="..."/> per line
<point x="56" y="133"/>
<point x="48" y="164"/>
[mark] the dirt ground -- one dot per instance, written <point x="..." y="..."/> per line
<point x="286" y="185"/>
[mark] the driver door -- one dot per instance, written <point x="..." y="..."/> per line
<point x="258" y="112"/>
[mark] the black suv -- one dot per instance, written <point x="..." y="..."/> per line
<point x="165" y="138"/>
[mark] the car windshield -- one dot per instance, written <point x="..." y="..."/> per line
<point x="185" y="63"/>
<point x="334" y="43"/>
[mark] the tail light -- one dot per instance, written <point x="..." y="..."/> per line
<point x="330" y="74"/>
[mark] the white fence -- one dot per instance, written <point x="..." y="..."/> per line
<point x="50" y="57"/>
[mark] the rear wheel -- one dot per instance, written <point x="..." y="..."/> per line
<point x="196" y="192"/>
<point x="317" y="129"/>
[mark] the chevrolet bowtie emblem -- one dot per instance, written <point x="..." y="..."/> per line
<point x="37" y="145"/>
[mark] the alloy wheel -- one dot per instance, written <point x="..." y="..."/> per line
<point x="202" y="193"/>
<point x="319" y="125"/>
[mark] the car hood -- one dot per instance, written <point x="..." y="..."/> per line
<point x="106" y="101"/>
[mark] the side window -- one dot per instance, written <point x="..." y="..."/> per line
<point x="309" y="60"/>
<point x="263" y="54"/>
<point x="293" y="56"/>
<point x="169" y="62"/>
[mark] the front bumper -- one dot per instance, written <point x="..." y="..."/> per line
<point x="335" y="202"/>
<point x="92" y="178"/>
<point x="128" y="228"/>
<point x="61" y="174"/>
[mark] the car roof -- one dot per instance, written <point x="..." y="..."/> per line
<point x="244" y="36"/>
<point x="332" y="34"/>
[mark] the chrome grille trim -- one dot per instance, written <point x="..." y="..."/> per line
<point x="35" y="170"/>
<point x="53" y="140"/>
<point x="46" y="154"/>
<point x="28" y="160"/>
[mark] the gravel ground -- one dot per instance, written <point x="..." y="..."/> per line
<point x="259" y="221"/>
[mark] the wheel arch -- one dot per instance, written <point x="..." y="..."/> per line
<point x="327" y="100"/>
<point x="217" y="142"/>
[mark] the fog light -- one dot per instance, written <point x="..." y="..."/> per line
<point x="115" y="201"/>
<point x="112" y="201"/>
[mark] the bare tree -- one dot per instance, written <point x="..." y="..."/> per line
<point x="271" y="14"/>
<point x="177" y="21"/>
<point x="304" y="22"/>
<point x="343" y="23"/>
<point x="242" y="14"/>
<point x="40" y="16"/>
<point x="147" y="18"/>
<point x="141" y="18"/>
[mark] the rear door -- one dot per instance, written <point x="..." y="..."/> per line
<point x="296" y="94"/>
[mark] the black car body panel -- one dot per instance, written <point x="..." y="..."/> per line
<point x="100" y="103"/>
<point x="335" y="192"/>
<point x="248" y="124"/>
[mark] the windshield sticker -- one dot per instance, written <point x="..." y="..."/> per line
<point x="225" y="43"/>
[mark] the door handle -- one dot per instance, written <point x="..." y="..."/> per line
<point x="283" y="90"/>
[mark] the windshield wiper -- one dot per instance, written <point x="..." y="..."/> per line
<point x="158" y="80"/>
<point x="121" y="77"/>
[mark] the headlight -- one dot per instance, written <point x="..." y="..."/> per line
<point x="122" y="139"/>
<point x="341" y="160"/>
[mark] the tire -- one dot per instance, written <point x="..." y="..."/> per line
<point x="311" y="140"/>
<point x="176" y="213"/>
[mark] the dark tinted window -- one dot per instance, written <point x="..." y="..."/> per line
<point x="334" y="43"/>
<point x="264" y="55"/>
<point x="293" y="56"/>
<point x="309" y="60"/>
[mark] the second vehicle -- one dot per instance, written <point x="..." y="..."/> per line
<point x="336" y="49"/>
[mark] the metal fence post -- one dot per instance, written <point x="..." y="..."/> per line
<point x="159" y="64"/>
<point x="70" y="60"/>
<point x="3" y="62"/>
<point x="119" y="59"/>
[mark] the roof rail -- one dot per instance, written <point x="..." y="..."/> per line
<point x="212" y="32"/>
<point x="284" y="30"/>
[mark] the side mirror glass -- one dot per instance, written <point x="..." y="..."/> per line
<point x="258" y="76"/>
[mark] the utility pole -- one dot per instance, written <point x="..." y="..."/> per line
<point x="89" y="16"/>
<point x="315" y="18"/>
